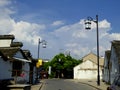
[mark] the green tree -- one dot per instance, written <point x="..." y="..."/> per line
<point x="46" y="66"/>
<point x="62" y="65"/>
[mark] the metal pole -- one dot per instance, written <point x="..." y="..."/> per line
<point x="38" y="47"/>
<point x="38" y="58"/>
<point x="98" y="77"/>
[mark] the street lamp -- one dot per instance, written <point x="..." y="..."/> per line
<point x="88" y="27"/>
<point x="44" y="43"/>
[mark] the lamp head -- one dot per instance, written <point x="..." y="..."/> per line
<point x="44" y="43"/>
<point x="88" y="24"/>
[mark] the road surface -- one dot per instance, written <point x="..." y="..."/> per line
<point x="64" y="84"/>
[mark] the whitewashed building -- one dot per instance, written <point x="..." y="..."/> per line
<point x="114" y="65"/>
<point x="24" y="68"/>
<point x="106" y="70"/>
<point x="5" y="64"/>
<point x="13" y="63"/>
<point x="88" y="68"/>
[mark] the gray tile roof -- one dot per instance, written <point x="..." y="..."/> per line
<point x="8" y="52"/>
<point x="16" y="44"/>
<point x="27" y="55"/>
<point x="93" y="57"/>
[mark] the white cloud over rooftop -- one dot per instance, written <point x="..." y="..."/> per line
<point x="72" y="37"/>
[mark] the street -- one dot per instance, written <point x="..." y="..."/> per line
<point x="64" y="84"/>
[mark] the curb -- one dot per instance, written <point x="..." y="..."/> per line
<point x="90" y="85"/>
<point x="41" y="85"/>
<point x="37" y="86"/>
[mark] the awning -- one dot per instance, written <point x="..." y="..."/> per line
<point x="21" y="59"/>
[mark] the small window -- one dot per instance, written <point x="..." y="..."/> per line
<point x="16" y="68"/>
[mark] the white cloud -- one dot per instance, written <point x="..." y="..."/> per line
<point x="72" y="37"/>
<point x="4" y="2"/>
<point x="5" y="8"/>
<point x="28" y="32"/>
<point x="57" y="23"/>
<point x="104" y="24"/>
<point x="23" y="31"/>
<point x="115" y="36"/>
<point x="79" y="41"/>
<point x="71" y="45"/>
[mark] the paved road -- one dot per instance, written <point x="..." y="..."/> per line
<point x="64" y="84"/>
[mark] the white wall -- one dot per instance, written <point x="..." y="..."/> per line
<point x="5" y="43"/>
<point x="88" y="74"/>
<point x="88" y="65"/>
<point x="86" y="70"/>
<point x="76" y="72"/>
<point x="5" y="69"/>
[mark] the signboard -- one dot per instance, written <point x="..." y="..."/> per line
<point x="39" y="63"/>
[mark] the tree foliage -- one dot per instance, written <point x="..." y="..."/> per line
<point x="63" y="64"/>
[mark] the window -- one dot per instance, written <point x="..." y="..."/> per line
<point x="16" y="68"/>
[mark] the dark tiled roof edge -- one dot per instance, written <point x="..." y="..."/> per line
<point x="16" y="44"/>
<point x="108" y="53"/>
<point x="7" y="37"/>
<point x="7" y="53"/>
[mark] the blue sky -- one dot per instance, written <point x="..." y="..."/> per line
<point x="61" y="24"/>
<point x="69" y="10"/>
